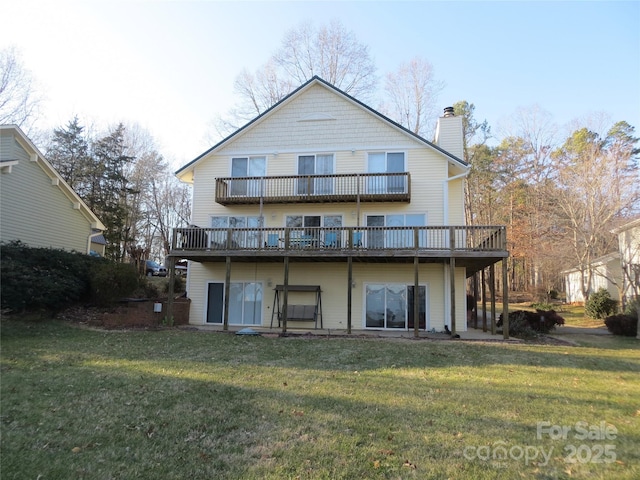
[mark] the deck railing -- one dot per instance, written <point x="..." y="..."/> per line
<point x="363" y="187"/>
<point x="313" y="239"/>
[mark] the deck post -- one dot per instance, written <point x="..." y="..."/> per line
<point x="416" y="297"/>
<point x="452" y="277"/>
<point x="505" y="300"/>
<point x="475" y="299"/>
<point x="227" y="292"/>
<point x="349" y="291"/>
<point x="452" y="281"/>
<point x="285" y="295"/>
<point x="358" y="200"/>
<point x="171" y="291"/>
<point x="492" y="290"/>
<point x="483" y="292"/>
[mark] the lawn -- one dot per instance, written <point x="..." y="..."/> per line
<point x="175" y="404"/>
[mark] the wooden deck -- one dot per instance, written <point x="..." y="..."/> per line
<point x="473" y="247"/>
<point x="356" y="187"/>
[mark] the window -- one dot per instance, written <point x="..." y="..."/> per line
<point x="391" y="306"/>
<point x="315" y="165"/>
<point x="243" y="167"/>
<point x="245" y="238"/>
<point x="395" y="238"/>
<point x="386" y="162"/>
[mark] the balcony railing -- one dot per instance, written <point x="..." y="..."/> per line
<point x="363" y="187"/>
<point x="314" y="240"/>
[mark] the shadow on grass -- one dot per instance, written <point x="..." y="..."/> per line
<point x="253" y="407"/>
<point x="606" y="354"/>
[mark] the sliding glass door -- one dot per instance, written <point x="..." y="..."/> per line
<point x="390" y="306"/>
<point x="245" y="303"/>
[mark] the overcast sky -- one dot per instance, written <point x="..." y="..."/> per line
<point x="170" y="66"/>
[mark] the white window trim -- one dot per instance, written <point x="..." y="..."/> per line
<point x="315" y="155"/>
<point x="241" y="155"/>
<point x="386" y="153"/>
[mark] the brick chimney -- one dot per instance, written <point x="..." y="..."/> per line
<point x="449" y="133"/>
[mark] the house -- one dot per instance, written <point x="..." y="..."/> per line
<point x="617" y="272"/>
<point x="323" y="213"/>
<point x="604" y="272"/>
<point x="37" y="207"/>
<point x="629" y="247"/>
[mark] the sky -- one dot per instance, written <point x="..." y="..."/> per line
<point x="170" y="66"/>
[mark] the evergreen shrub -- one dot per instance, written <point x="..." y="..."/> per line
<point x="600" y="304"/>
<point x="111" y="281"/>
<point x="51" y="280"/>
<point x="36" y="279"/>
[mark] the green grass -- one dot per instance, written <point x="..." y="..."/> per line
<point x="176" y="404"/>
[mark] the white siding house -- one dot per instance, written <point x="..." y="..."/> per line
<point x="321" y="212"/>
<point x="629" y="246"/>
<point x="37" y="207"/>
<point x="604" y="272"/>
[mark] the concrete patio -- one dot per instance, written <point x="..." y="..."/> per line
<point x="470" y="334"/>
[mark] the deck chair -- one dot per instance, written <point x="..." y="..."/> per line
<point x="331" y="239"/>
<point x="357" y="239"/>
<point x="272" y="240"/>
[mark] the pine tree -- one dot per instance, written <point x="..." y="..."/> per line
<point x="111" y="189"/>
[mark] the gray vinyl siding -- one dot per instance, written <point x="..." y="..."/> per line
<point x="35" y="211"/>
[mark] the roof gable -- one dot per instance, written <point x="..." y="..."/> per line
<point x="627" y="226"/>
<point x="36" y="156"/>
<point x="323" y="115"/>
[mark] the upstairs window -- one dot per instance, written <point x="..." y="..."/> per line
<point x="243" y="167"/>
<point x="315" y="165"/>
<point x="386" y="162"/>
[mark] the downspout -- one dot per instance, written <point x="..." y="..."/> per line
<point x="445" y="192"/>
<point x="446" y="272"/>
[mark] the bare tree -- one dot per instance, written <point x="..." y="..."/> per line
<point x="479" y="184"/>
<point x="158" y="201"/>
<point x="258" y="92"/>
<point x="171" y="206"/>
<point x="535" y="127"/>
<point x="19" y="101"/>
<point x="330" y="52"/>
<point x="597" y="184"/>
<point x="533" y="130"/>
<point x="412" y="92"/>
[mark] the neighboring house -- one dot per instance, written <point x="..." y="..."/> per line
<point x="604" y="272"/>
<point x="321" y="212"/>
<point x="629" y="246"/>
<point x="98" y="243"/>
<point x="37" y="207"/>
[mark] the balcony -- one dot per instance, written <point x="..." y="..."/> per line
<point x="472" y="246"/>
<point x="356" y="187"/>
